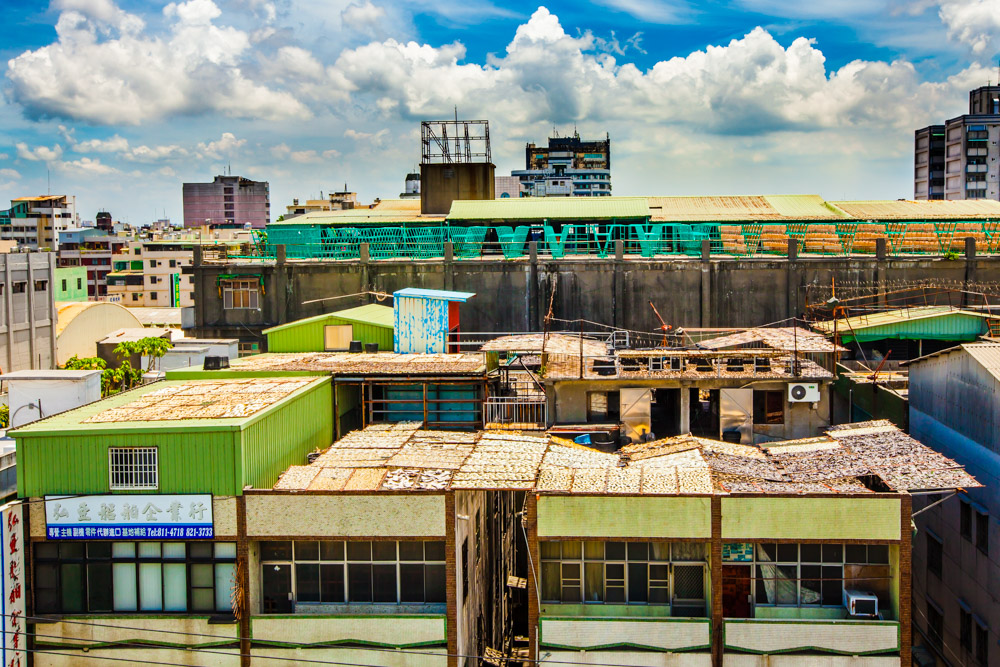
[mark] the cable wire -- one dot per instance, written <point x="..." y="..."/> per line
<point x="299" y="660"/>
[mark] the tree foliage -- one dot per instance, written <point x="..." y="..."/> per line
<point x="150" y="347"/>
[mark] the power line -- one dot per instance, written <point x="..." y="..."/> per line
<point x="298" y="660"/>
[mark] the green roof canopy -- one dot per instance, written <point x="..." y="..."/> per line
<point x="921" y="323"/>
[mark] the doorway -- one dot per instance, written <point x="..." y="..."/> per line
<point x="666" y="408"/>
<point x="705" y="413"/>
<point x="736" y="591"/>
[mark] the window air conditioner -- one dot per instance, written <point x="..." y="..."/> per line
<point x="861" y="604"/>
<point x="800" y="392"/>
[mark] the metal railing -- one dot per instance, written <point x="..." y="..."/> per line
<point x="516" y="412"/>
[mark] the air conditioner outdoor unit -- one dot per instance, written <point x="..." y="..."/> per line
<point x="860" y="604"/>
<point x="803" y="392"/>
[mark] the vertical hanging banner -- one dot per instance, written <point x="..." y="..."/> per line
<point x="12" y="563"/>
<point x="175" y="290"/>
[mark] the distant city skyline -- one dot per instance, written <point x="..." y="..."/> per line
<point x="119" y="104"/>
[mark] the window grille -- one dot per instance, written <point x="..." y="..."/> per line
<point x="133" y="468"/>
<point x="240" y="294"/>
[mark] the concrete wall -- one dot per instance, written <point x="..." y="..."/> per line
<point x="514" y="295"/>
<point x="441" y="184"/>
<point x="27" y="314"/>
<point x="968" y="574"/>
<point x="287" y="516"/>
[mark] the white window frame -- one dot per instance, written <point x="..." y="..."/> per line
<point x="136" y="468"/>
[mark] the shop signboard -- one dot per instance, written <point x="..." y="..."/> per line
<point x="138" y="517"/>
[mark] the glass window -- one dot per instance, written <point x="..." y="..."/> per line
<point x="983" y="532"/>
<point x="335" y="572"/>
<point x="88" y="577"/>
<point x="622" y="573"/>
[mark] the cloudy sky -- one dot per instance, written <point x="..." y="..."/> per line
<point x="120" y="103"/>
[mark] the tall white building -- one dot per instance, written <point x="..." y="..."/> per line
<point x="958" y="160"/>
<point x="35" y="222"/>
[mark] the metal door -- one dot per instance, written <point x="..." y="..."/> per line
<point x="635" y="412"/>
<point x="736" y="591"/>
<point x="736" y="413"/>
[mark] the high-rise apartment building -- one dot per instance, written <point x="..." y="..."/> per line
<point x="228" y="200"/>
<point x="567" y="167"/>
<point x="35" y="222"/>
<point x="958" y="160"/>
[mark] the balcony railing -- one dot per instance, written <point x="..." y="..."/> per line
<point x="516" y="412"/>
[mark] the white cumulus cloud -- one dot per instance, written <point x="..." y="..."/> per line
<point x="128" y="75"/>
<point x="974" y="23"/>
<point x="38" y="153"/>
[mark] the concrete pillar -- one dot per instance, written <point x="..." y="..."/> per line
<point x="793" y="250"/>
<point x="448" y="266"/>
<point x="706" y="285"/>
<point x="9" y="320"/>
<point x="531" y="292"/>
<point x="970" y="270"/>
<point x="792" y="279"/>
<point x="279" y="254"/>
<point x="30" y="292"/>
<point x="51" y="307"/>
<point x="881" y="258"/>
<point x="685" y="407"/>
<point x="364" y="262"/>
<point x="618" y="305"/>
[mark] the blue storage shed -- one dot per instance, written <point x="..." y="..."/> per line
<point x="425" y="318"/>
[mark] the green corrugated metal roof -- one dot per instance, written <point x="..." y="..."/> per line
<point x="923" y="322"/>
<point x="550" y="208"/>
<point x="72" y="420"/>
<point x="373" y="313"/>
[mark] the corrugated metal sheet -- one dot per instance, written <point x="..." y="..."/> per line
<point x="60" y="455"/>
<point x="284" y="437"/>
<point x="921" y="210"/>
<point x="358" y="216"/>
<point x="926" y="322"/>
<point x="421" y="325"/>
<point x="741" y="208"/>
<point x="372" y="324"/>
<point x="803" y="207"/>
<point x="988" y="355"/>
<point x="551" y="208"/>
<point x="417" y="293"/>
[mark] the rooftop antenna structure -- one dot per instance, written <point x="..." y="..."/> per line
<point x="471" y="141"/>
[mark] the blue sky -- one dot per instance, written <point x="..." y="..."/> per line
<point x="119" y="103"/>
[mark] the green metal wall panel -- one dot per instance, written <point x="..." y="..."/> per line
<point x="192" y="458"/>
<point x="79" y="463"/>
<point x="284" y="437"/>
<point x="308" y="337"/>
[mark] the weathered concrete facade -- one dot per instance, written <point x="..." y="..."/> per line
<point x="513" y="295"/>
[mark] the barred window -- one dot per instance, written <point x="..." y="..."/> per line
<point x="133" y="468"/>
<point x="240" y="294"/>
<point x="625" y="573"/>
